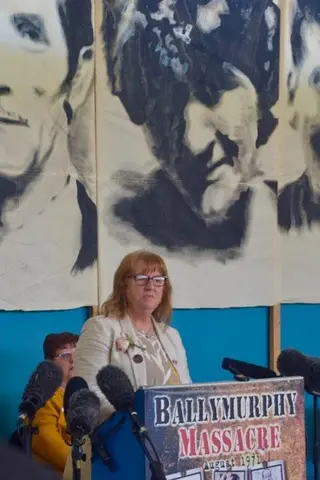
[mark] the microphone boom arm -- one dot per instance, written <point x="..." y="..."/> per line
<point x="141" y="434"/>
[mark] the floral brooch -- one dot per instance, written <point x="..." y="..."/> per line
<point x="124" y="342"/>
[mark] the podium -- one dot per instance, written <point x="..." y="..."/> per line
<point x="228" y="430"/>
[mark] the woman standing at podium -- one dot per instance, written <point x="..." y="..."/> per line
<point x="134" y="331"/>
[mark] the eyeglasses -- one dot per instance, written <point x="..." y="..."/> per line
<point x="142" y="280"/>
<point x="65" y="355"/>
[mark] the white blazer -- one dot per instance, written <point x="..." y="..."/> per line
<point x="96" y="349"/>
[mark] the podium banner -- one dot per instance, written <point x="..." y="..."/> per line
<point x="228" y="430"/>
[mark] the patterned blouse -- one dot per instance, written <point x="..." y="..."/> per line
<point x="160" y="370"/>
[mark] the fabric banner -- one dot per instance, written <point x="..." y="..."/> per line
<point x="48" y="220"/>
<point x="189" y="128"/>
<point x="187" y="144"/>
<point x="211" y="129"/>
<point x="299" y="177"/>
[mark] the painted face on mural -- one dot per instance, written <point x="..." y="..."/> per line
<point x="205" y="106"/>
<point x="34" y="59"/>
<point x="235" y="117"/>
<point x="304" y="97"/>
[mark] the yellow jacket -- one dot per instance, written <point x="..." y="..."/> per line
<point x="50" y="445"/>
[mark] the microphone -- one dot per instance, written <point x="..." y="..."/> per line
<point x="117" y="388"/>
<point x="314" y="376"/>
<point x="74" y="384"/>
<point x="83" y="411"/>
<point x="292" y="363"/>
<point x="42" y="385"/>
<point x="82" y="414"/>
<point x="247" y="370"/>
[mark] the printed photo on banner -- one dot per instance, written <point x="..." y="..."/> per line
<point x="237" y="473"/>
<point x="193" y="474"/>
<point x="48" y="217"/>
<point x="160" y="124"/>
<point x="269" y="471"/>
<point x="191" y="155"/>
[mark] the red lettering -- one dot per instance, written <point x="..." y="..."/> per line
<point x="204" y="448"/>
<point x="193" y="443"/>
<point x="275" y="441"/>
<point x="250" y="437"/>
<point x="262" y="434"/>
<point x="227" y="441"/>
<point x="187" y="442"/>
<point x="238" y="444"/>
<point x="216" y="441"/>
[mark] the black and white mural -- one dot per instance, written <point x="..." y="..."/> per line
<point x="189" y="131"/>
<point x="190" y="127"/>
<point x="48" y="220"/>
<point x="299" y="171"/>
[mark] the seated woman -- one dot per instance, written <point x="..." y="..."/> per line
<point x="51" y="444"/>
<point x="134" y="331"/>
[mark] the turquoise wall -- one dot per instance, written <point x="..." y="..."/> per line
<point x="208" y="335"/>
<point x="21" y="337"/>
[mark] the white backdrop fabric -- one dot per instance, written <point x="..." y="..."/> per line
<point x="191" y="128"/>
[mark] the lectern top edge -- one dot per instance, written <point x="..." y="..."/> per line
<point x="221" y="383"/>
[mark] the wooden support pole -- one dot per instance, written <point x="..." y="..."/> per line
<point x="274" y="335"/>
<point x="94" y="311"/>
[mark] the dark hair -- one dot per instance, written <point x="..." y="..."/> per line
<point x="76" y="20"/>
<point x="54" y="341"/>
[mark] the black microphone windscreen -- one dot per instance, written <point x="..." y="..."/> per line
<point x="313" y="381"/>
<point x="42" y="385"/>
<point x="247" y="369"/>
<point x="292" y="363"/>
<point x="83" y="413"/>
<point x="74" y="384"/>
<point x="116" y="387"/>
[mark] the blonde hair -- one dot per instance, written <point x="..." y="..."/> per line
<point x="116" y="305"/>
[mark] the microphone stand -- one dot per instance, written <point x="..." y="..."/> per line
<point x="315" y="436"/>
<point x="155" y="465"/>
<point x="28" y="430"/>
<point x="316" y="439"/>
<point x="238" y="376"/>
<point x="77" y="457"/>
<point x="241" y="378"/>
